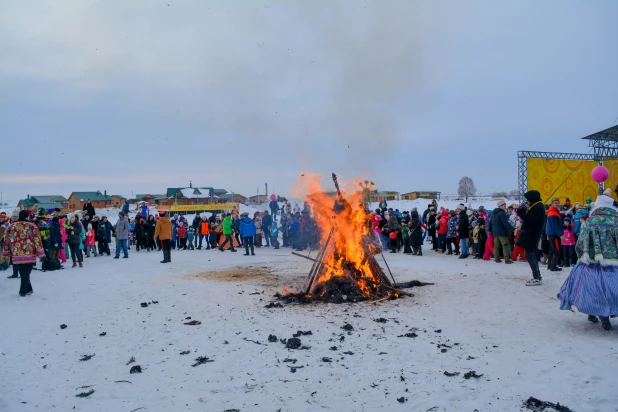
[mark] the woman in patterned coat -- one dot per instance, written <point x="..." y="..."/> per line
<point x="592" y="285"/>
<point x="23" y="245"/>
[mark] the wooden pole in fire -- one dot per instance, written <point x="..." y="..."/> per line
<point x="318" y="262"/>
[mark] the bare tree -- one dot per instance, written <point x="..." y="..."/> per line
<point x="499" y="195"/>
<point x="466" y="187"/>
<point x="514" y="194"/>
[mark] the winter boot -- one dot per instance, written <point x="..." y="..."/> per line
<point x="593" y="319"/>
<point x="605" y="322"/>
<point x="81" y="265"/>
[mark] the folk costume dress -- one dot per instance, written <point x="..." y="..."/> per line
<point x="592" y="285"/>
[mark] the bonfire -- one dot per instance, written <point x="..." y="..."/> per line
<point x="345" y="268"/>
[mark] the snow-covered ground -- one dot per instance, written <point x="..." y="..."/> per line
<point x="514" y="336"/>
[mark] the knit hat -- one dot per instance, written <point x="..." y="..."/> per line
<point x="469" y="212"/>
<point x="121" y="214"/>
<point x="501" y="202"/>
<point x="461" y="206"/>
<point x="15" y="213"/>
<point x="568" y="219"/>
<point x="23" y="214"/>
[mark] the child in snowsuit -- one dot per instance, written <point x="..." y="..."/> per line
<point x="182" y="235"/>
<point x="451" y="233"/>
<point x="568" y="243"/>
<point x="274" y="235"/>
<point x="102" y="239"/>
<point x="212" y="236"/>
<point x="518" y="250"/>
<point x="175" y="240"/>
<point x="90" y="242"/>
<point x="191" y="237"/>
<point x="480" y="238"/>
<point x="405" y="236"/>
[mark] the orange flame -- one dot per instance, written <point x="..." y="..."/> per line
<point x="347" y="253"/>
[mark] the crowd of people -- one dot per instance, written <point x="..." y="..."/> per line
<point x="555" y="235"/>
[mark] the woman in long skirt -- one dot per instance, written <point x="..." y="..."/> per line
<point x="592" y="285"/>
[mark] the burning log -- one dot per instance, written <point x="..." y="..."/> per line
<point x="345" y="268"/>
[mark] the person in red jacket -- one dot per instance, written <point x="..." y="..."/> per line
<point x="443" y="227"/>
<point x="22" y="244"/>
<point x="182" y="235"/>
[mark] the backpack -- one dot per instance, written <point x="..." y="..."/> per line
<point x="49" y="264"/>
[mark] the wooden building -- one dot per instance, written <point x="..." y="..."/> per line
<point x="421" y="195"/>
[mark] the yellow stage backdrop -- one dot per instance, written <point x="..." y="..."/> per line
<point x="545" y="175"/>
<point x="612" y="180"/>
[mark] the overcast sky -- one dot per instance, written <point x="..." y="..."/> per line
<point x="139" y="95"/>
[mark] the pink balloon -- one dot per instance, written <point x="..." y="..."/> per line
<point x="600" y="174"/>
<point x="273" y="197"/>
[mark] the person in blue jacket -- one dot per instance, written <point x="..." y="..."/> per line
<point x="554" y="230"/>
<point x="247" y="231"/>
<point x="576" y="220"/>
<point x="144" y="210"/>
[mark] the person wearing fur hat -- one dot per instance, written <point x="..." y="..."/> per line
<point x="22" y="244"/>
<point x="533" y="219"/>
<point x="592" y="285"/>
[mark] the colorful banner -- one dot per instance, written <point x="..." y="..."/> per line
<point x="203" y="208"/>
<point x="547" y="175"/>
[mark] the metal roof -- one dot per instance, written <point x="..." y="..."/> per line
<point x="607" y="134"/>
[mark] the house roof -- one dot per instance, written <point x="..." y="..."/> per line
<point x="258" y="196"/>
<point x="171" y="191"/>
<point x="119" y="196"/>
<point x="231" y="195"/>
<point x="194" y="192"/>
<point x="27" y="202"/>
<point x="94" y="196"/>
<point x="219" y="191"/>
<point x="49" y="198"/>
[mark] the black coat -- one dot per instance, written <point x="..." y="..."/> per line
<point x="140" y="230"/>
<point x="55" y="236"/>
<point x="197" y="223"/>
<point x="74" y="234"/>
<point x="89" y="208"/>
<point x="416" y="232"/>
<point x="464" y="225"/>
<point x="150" y="227"/>
<point x="267" y="221"/>
<point x="533" y="221"/>
<point x="431" y="221"/>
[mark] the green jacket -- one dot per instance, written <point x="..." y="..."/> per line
<point x="227" y="226"/>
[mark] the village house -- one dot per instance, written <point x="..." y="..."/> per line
<point x="421" y="195"/>
<point x="118" y="201"/>
<point x="258" y="199"/>
<point x="150" y="199"/>
<point x="232" y="198"/>
<point x="34" y="203"/>
<point x="99" y="200"/>
<point x="376" y="196"/>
